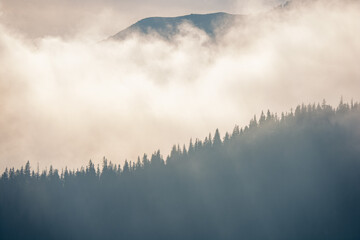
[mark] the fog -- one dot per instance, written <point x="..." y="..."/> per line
<point x="67" y="99"/>
<point x="66" y="18"/>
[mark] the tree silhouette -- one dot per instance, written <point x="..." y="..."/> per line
<point x="290" y="178"/>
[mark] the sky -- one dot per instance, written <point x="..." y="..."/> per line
<point x="102" y="18"/>
<point x="66" y="98"/>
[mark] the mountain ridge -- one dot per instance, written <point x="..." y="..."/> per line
<point x="212" y="24"/>
<point x="168" y="27"/>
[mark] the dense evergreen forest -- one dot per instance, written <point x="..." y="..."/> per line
<point x="294" y="176"/>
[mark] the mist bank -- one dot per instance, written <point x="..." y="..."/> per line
<point x="293" y="176"/>
<point x="101" y="18"/>
<point x="65" y="101"/>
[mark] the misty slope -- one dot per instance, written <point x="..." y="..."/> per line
<point x="294" y="177"/>
<point x="167" y="27"/>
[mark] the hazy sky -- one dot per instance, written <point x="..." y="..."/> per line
<point x="67" y="98"/>
<point x="39" y="18"/>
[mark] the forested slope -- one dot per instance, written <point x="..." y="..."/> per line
<point x="294" y="176"/>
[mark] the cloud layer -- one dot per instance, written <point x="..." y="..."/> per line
<point x="102" y="18"/>
<point x="64" y="101"/>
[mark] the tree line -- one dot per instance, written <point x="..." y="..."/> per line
<point x="293" y="176"/>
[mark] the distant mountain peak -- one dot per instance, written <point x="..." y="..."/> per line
<point x="213" y="24"/>
<point x="168" y="27"/>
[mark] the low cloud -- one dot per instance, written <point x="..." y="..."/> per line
<point x="64" y="101"/>
<point x="101" y="18"/>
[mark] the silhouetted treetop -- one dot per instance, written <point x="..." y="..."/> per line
<point x="293" y="177"/>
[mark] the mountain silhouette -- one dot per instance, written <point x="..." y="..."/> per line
<point x="213" y="24"/>
<point x="168" y="27"/>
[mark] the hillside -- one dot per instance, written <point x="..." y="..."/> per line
<point x="290" y="177"/>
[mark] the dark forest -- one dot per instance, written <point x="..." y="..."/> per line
<point x="294" y="176"/>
